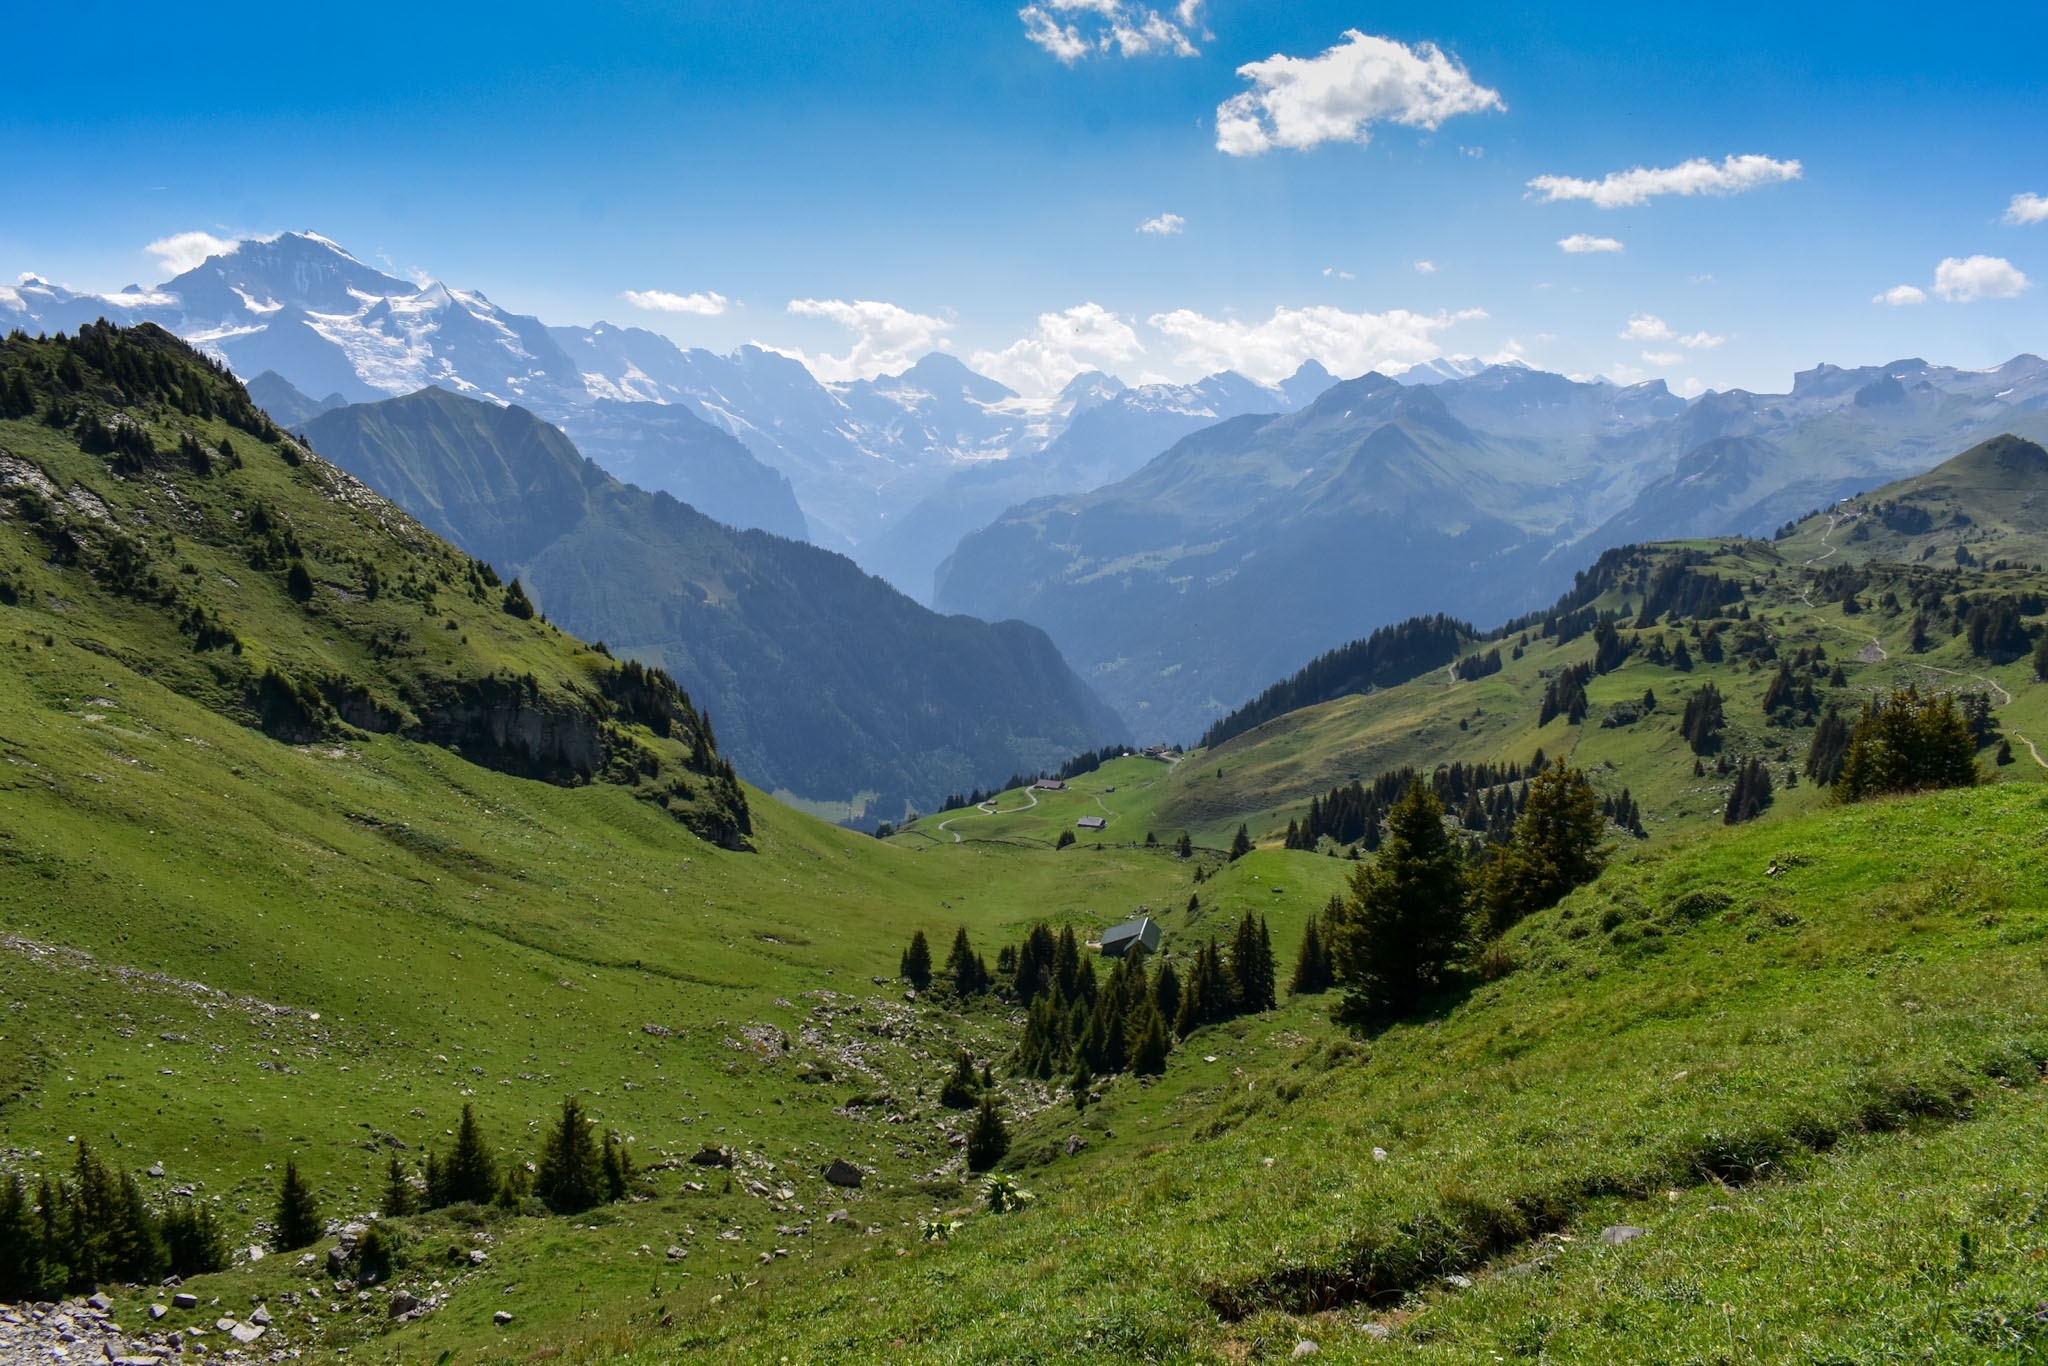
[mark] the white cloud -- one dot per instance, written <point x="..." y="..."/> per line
<point x="1580" y="243"/>
<point x="1339" y="274"/>
<point x="1698" y="176"/>
<point x="704" y="305"/>
<point x="1348" y="343"/>
<point x="1899" y="295"/>
<point x="1044" y="361"/>
<point x="1691" y="388"/>
<point x="182" y="251"/>
<point x="1960" y="280"/>
<point x="1073" y="29"/>
<point x="1663" y="357"/>
<point x="1425" y="267"/>
<point x="1648" y="327"/>
<point x="1338" y="96"/>
<point x="2026" y="208"/>
<point x="1166" y="225"/>
<point x="887" y="338"/>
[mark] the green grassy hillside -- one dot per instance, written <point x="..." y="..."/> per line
<point x="1797" y="1065"/>
<point x="1989" y="503"/>
<point x="1268" y="774"/>
<point x="234" y="936"/>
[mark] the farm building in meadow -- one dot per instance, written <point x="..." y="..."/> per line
<point x="1092" y="823"/>
<point x="1142" y="932"/>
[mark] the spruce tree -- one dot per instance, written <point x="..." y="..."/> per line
<point x="1750" y="795"/>
<point x="298" y="1218"/>
<point x="194" y="1243"/>
<point x="957" y="1091"/>
<point x="964" y="968"/>
<point x="1557" y="845"/>
<point x="987" y="1139"/>
<point x="617" y="1163"/>
<point x="1907" y="742"/>
<point x="1080" y="1083"/>
<point x="398" y="1192"/>
<point x="21" y="1245"/>
<point x="1149" y="1046"/>
<point x="470" y="1175"/>
<point x="517" y="604"/>
<point x="1312" y="964"/>
<point x="2041" y="659"/>
<point x="1404" y="922"/>
<point x="1166" y="993"/>
<point x="917" y="962"/>
<point x="1240" y="844"/>
<point x="570" y="1176"/>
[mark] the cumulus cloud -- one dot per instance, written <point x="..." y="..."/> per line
<point x="1166" y="225"/>
<point x="1425" y="267"/>
<point x="1648" y="327"/>
<point x="1299" y="102"/>
<point x="1073" y="29"/>
<point x="182" y="251"/>
<point x="704" y="305"/>
<point x="1049" y="357"/>
<point x="1622" y="189"/>
<point x="2026" y="208"/>
<point x="887" y="338"/>
<point x="1663" y="357"/>
<point x="1899" y="295"/>
<point x="1339" y="274"/>
<point x="1962" y="279"/>
<point x="1348" y="343"/>
<point x="1580" y="243"/>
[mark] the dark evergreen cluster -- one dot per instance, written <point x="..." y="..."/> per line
<point x="1907" y="741"/>
<point x="79" y="379"/>
<point x="1751" y="793"/>
<point x="1790" y="698"/>
<point x="1704" y="720"/>
<point x="1390" y="655"/>
<point x="578" y="1170"/>
<point x="70" y="1236"/>
<point x="1678" y="588"/>
<point x="1565" y="695"/>
<point x="1075" y="767"/>
<point x="1477" y="665"/>
<point x="1313" y="971"/>
<point x="1625" y="812"/>
<point x="1078" y="1028"/>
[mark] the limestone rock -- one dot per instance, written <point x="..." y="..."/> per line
<point x="501" y="1318"/>
<point x="1305" y="1348"/>
<point x="844" y="1173"/>
<point x="1614" y="1235"/>
<point x="184" y="1299"/>
<point x="708" y="1156"/>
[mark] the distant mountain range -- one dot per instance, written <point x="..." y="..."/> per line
<point x="856" y="458"/>
<point x="1251" y="546"/>
<point x="825" y="685"/>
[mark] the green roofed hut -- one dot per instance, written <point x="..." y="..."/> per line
<point x="1142" y="932"/>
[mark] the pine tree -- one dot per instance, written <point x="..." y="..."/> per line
<point x="957" y="1091"/>
<point x="1148" y="1051"/>
<point x="1703" y="720"/>
<point x="1557" y="845"/>
<point x="2041" y="659"/>
<point x="1312" y="964"/>
<point x="987" y="1139"/>
<point x="376" y="1250"/>
<point x="1750" y="795"/>
<point x="1080" y="1083"/>
<point x="617" y="1163"/>
<point x="517" y="604"/>
<point x="437" y="1189"/>
<point x="1066" y="963"/>
<point x="194" y="1243"/>
<point x="470" y="1175"/>
<point x="1907" y="742"/>
<point x="917" y="962"/>
<point x="1186" y="847"/>
<point x="298" y="1218"/>
<point x="1166" y="993"/>
<point x="964" y="967"/>
<point x="398" y="1193"/>
<point x="570" y="1177"/>
<point x="1240" y="844"/>
<point x="1404" y="921"/>
<point x="22" y="1273"/>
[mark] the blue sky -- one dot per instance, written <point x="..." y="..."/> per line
<point x="927" y="174"/>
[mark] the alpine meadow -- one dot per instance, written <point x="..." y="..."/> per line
<point x="1104" y="682"/>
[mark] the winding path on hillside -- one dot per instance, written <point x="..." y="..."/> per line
<point x="2000" y="689"/>
<point x="988" y="808"/>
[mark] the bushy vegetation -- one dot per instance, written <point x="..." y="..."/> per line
<point x="71" y="1235"/>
